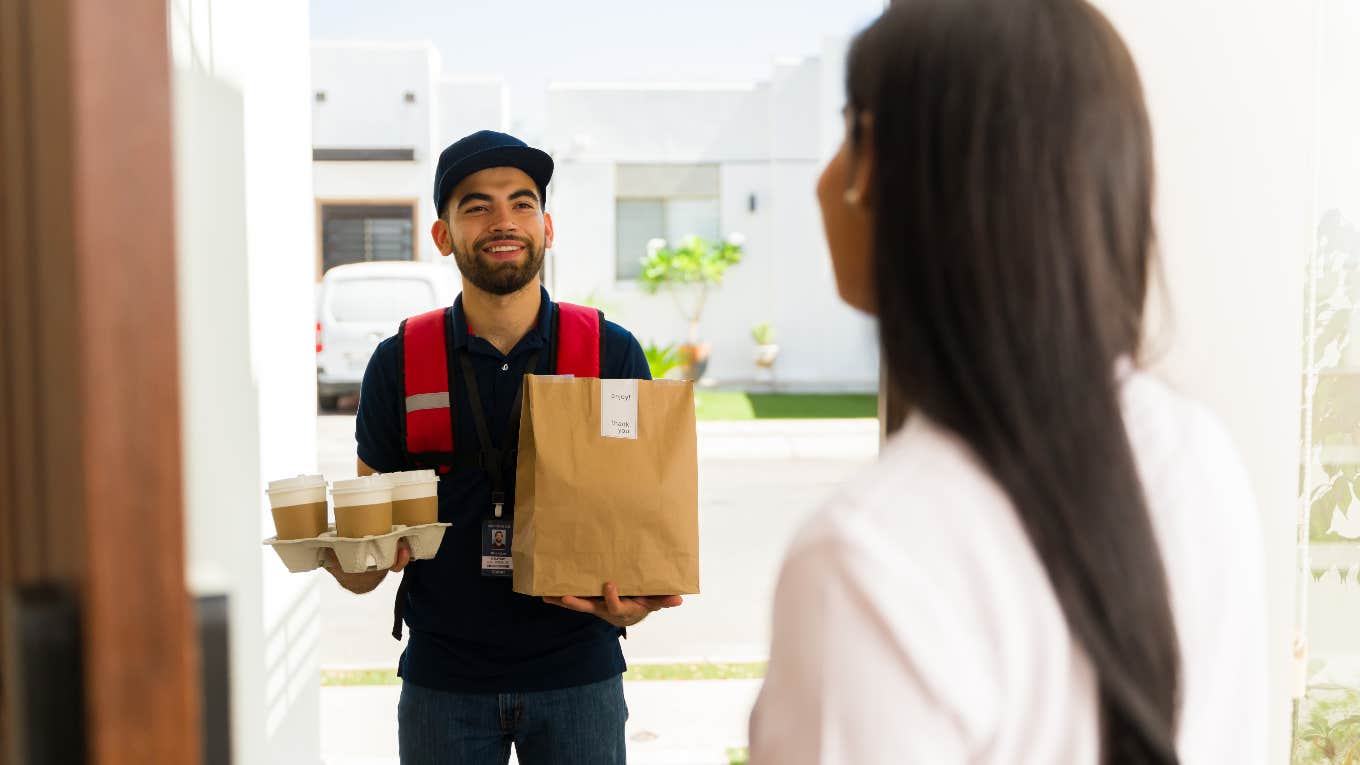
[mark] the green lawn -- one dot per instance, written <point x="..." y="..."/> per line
<point x="735" y="405"/>
<point x="332" y="677"/>
<point x="697" y="671"/>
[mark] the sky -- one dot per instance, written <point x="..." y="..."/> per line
<point x="530" y="43"/>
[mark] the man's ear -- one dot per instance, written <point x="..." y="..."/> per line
<point x="547" y="230"/>
<point x="443" y="238"/>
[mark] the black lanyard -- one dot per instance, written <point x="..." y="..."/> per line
<point x="496" y="462"/>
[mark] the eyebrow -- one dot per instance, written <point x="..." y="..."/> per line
<point x="477" y="196"/>
<point x="474" y="197"/>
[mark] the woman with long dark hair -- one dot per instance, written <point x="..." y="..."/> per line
<point x="1057" y="559"/>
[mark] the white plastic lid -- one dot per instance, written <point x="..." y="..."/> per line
<point x="375" y="482"/>
<point x="295" y="484"/>
<point x="412" y="476"/>
<point x="365" y="490"/>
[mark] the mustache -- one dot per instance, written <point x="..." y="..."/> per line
<point x="484" y="241"/>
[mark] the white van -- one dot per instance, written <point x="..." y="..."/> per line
<point x="359" y="305"/>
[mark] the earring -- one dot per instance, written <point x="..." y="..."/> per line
<point x="852" y="197"/>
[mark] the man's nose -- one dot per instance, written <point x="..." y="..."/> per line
<point x="503" y="220"/>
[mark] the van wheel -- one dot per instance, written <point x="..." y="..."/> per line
<point x="328" y="403"/>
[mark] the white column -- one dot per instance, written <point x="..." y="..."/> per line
<point x="246" y="258"/>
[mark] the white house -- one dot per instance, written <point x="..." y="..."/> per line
<point x="634" y="162"/>
<point x="638" y="161"/>
<point x="381" y="113"/>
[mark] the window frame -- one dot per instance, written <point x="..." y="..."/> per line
<point x="324" y="202"/>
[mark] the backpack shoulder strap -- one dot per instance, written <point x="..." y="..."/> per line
<point x="428" y="420"/>
<point x="579" y="337"/>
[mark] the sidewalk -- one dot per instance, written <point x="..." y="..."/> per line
<point x="771" y="440"/>
<point x="670" y="722"/>
<point x="780" y="440"/>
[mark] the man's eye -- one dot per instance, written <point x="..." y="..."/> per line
<point x="476" y="209"/>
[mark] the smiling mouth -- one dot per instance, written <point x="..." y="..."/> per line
<point x="503" y="250"/>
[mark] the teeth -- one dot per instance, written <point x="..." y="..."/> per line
<point x="504" y="248"/>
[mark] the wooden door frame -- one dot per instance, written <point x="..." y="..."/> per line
<point x="91" y="499"/>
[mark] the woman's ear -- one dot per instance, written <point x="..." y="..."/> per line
<point x="861" y="170"/>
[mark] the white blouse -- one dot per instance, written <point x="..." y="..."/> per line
<point x="914" y="623"/>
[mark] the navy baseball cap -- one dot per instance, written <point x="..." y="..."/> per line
<point x="484" y="149"/>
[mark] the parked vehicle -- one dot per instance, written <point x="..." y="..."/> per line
<point x="359" y="305"/>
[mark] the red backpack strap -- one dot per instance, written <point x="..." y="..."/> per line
<point x="579" y="335"/>
<point x="428" y="420"/>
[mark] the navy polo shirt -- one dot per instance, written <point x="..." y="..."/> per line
<point x="470" y="633"/>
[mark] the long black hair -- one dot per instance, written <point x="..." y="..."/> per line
<point x="1013" y="236"/>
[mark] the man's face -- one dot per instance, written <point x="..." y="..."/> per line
<point x="496" y="230"/>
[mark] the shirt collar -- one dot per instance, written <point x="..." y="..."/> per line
<point x="537" y="337"/>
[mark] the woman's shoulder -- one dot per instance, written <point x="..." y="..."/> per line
<point x="1192" y="474"/>
<point x="925" y="525"/>
<point x="924" y="553"/>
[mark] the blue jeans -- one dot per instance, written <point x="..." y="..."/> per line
<point x="571" y="726"/>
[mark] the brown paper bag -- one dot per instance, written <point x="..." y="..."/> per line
<point x="591" y="509"/>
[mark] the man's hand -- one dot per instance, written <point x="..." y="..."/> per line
<point x="620" y="612"/>
<point x="365" y="581"/>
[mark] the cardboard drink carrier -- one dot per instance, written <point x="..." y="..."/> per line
<point x="373" y="513"/>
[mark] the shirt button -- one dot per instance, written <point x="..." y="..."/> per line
<point x="505" y="367"/>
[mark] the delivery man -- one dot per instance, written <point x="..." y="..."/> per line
<point x="486" y="667"/>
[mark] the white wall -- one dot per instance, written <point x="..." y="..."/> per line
<point x="365" y="85"/>
<point x="365" y="107"/>
<point x="795" y="104"/>
<point x="244" y="220"/>
<point x="831" y="87"/>
<point x="651" y="122"/>
<point x="1230" y="91"/>
<point x="466" y="105"/>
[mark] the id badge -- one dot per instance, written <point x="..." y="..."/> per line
<point x="496" y="560"/>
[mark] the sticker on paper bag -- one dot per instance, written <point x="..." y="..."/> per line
<point x="619" y="409"/>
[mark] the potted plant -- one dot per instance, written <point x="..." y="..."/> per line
<point x="689" y="273"/>
<point x="766" y="350"/>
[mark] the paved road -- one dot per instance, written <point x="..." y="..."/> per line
<point x="758" y="481"/>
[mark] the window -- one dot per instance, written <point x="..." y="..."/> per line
<point x="667" y="202"/>
<point x="363" y="233"/>
<point x="380" y="300"/>
<point x="1328" y="610"/>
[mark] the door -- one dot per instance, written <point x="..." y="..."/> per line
<point x="99" y="664"/>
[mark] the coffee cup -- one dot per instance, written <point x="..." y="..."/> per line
<point x="363" y="506"/>
<point x="415" y="497"/>
<point x="299" y="506"/>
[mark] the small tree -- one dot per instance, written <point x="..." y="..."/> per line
<point x="689" y="272"/>
<point x="662" y="360"/>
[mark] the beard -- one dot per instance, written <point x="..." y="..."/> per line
<point x="499" y="278"/>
